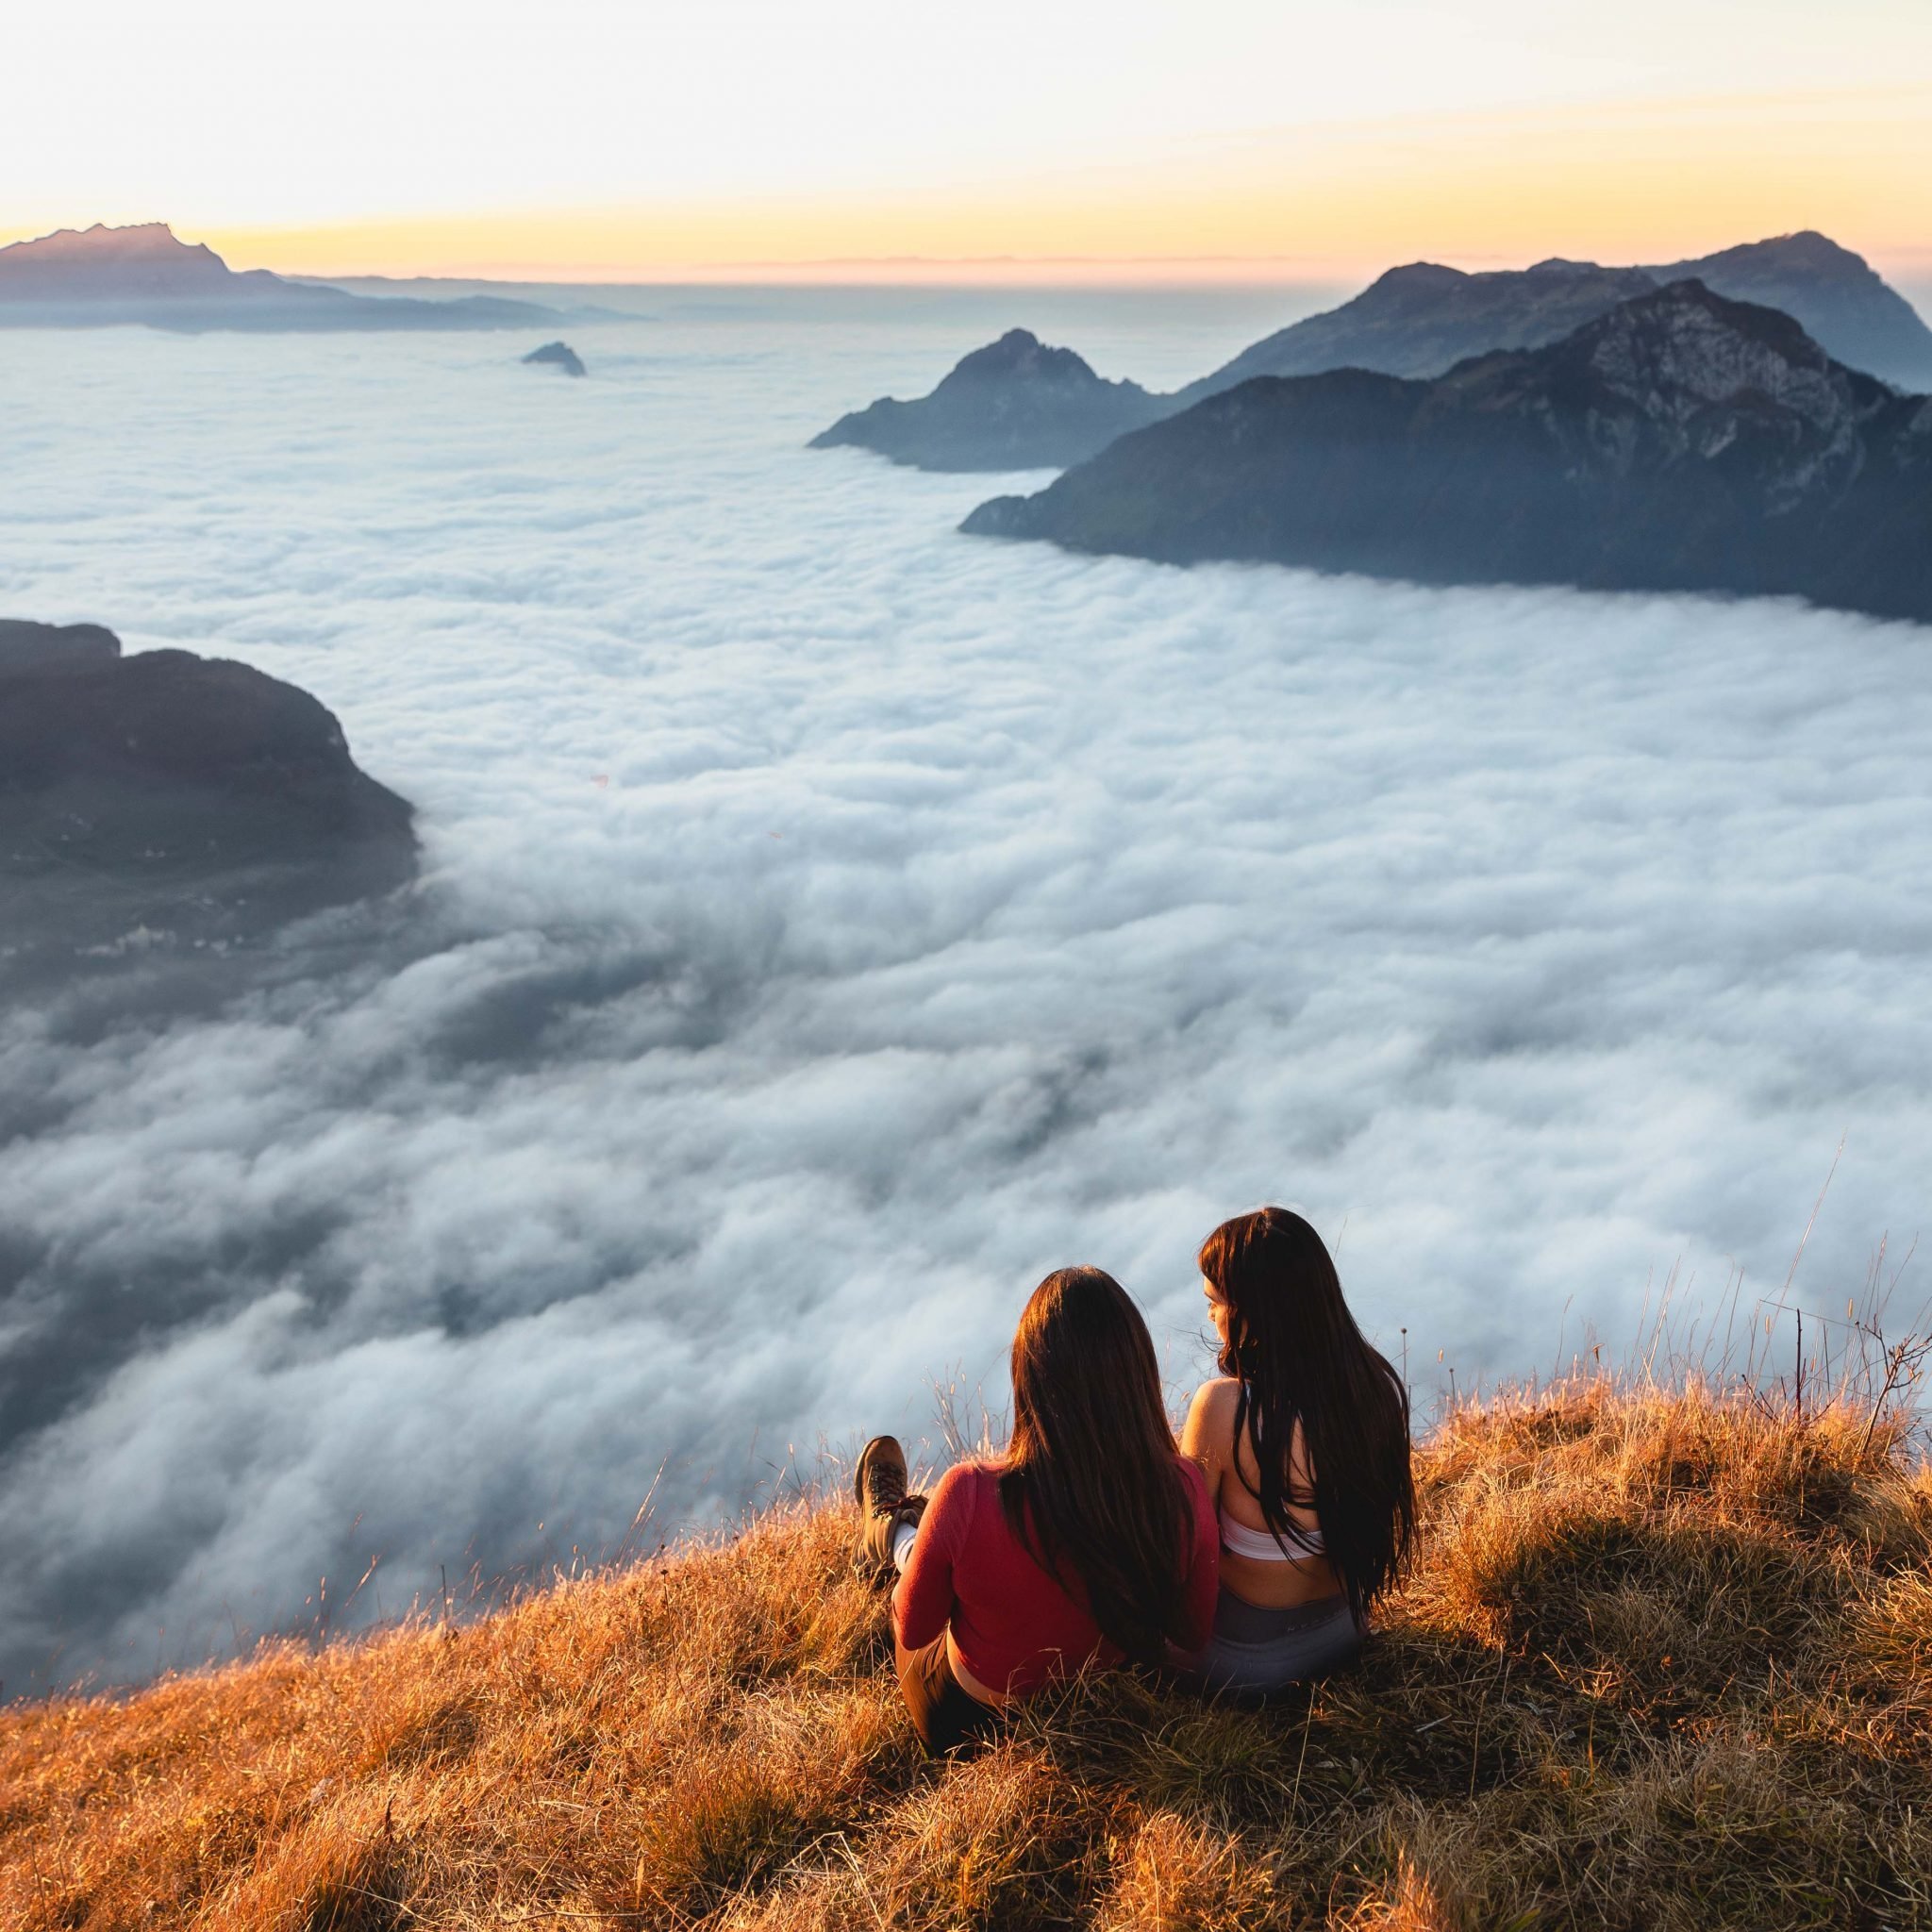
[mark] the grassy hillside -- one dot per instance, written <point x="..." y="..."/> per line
<point x="1666" y="1662"/>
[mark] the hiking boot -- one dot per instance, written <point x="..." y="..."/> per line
<point x="880" y="1486"/>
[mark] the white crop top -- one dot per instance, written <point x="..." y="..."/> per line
<point x="1264" y="1547"/>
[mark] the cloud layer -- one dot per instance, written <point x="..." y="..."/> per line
<point x="835" y="922"/>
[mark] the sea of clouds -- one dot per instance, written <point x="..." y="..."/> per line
<point x="831" y="923"/>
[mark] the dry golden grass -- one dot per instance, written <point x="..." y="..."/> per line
<point x="1666" y="1662"/>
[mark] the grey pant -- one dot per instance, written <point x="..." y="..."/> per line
<point x="1255" y="1649"/>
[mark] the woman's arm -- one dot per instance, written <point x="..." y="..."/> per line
<point x="1208" y="1431"/>
<point x="922" y="1598"/>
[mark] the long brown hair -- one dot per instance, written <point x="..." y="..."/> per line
<point x="1091" y="1482"/>
<point x="1296" y="1352"/>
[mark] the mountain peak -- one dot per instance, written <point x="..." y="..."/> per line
<point x="1806" y="248"/>
<point x="1683" y="348"/>
<point x="1687" y="345"/>
<point x="1418" y="277"/>
<point x="1021" y="353"/>
<point x="135" y="238"/>
<point x="135" y="234"/>
<point x="1692" y="292"/>
<point x="147" y="258"/>
<point x="1806" y="258"/>
<point x="1016" y="404"/>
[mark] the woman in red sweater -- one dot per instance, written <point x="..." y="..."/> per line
<point x="1091" y="1541"/>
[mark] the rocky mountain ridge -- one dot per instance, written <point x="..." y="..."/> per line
<point x="1680" y="442"/>
<point x="1416" y="321"/>
<point x="1423" y="319"/>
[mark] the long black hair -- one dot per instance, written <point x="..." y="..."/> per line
<point x="1294" y="1349"/>
<point x="1090" y="1480"/>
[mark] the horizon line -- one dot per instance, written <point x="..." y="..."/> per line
<point x="875" y="268"/>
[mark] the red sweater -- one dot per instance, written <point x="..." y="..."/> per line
<point x="1014" y="1625"/>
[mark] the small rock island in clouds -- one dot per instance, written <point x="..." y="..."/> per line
<point x="557" y="356"/>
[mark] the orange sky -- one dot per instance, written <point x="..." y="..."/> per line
<point x="853" y="139"/>
<point x="1623" y="183"/>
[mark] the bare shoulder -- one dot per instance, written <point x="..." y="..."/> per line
<point x="1210" y="1430"/>
<point x="1215" y="1396"/>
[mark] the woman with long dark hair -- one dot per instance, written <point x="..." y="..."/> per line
<point x="1089" y="1542"/>
<point x="1305" y="1439"/>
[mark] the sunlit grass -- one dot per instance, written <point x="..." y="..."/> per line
<point x="1666" y="1662"/>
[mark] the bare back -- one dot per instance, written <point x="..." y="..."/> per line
<point x="1232" y="1477"/>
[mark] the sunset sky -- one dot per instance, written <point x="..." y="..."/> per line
<point x="748" y="136"/>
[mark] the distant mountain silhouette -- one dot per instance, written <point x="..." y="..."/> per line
<point x="167" y="799"/>
<point x="1682" y="442"/>
<point x="1417" y="320"/>
<point x="560" y="356"/>
<point x="1014" y="404"/>
<point x="1423" y="319"/>
<point x="100" y="275"/>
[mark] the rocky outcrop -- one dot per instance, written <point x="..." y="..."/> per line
<point x="169" y="799"/>
<point x="1682" y="442"/>
<point x="1014" y="404"/>
<point x="557" y="356"/>
<point x="95" y="277"/>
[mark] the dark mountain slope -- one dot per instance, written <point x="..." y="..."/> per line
<point x="53" y="648"/>
<point x="101" y="275"/>
<point x="1682" y="442"/>
<point x="1014" y="404"/>
<point x="185" y="799"/>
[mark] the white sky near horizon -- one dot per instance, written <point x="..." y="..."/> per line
<point x="849" y="125"/>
